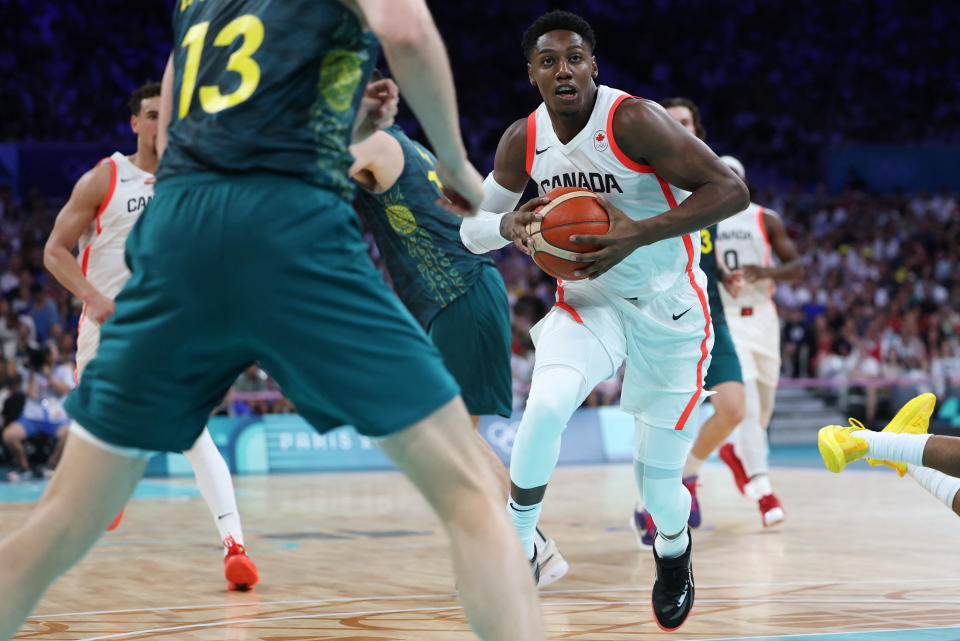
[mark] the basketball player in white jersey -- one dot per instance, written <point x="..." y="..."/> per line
<point x="104" y="205"/>
<point x="745" y="246"/>
<point x="644" y="301"/>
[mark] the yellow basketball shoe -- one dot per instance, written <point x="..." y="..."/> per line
<point x="840" y="445"/>
<point x="913" y="418"/>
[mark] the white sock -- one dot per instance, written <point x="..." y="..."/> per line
<point x="937" y="483"/>
<point x="525" y="519"/>
<point x="671" y="548"/>
<point x="216" y="486"/>
<point x="758" y="487"/>
<point x="692" y="466"/>
<point x="901" y="448"/>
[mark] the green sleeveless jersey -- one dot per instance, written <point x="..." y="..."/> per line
<point x="419" y="240"/>
<point x="262" y="86"/>
<point x="708" y="263"/>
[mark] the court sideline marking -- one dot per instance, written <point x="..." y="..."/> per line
<point x="542" y="592"/>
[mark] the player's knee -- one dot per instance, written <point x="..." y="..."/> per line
<point x="545" y="413"/>
<point x="554" y="396"/>
<point x="731" y="414"/>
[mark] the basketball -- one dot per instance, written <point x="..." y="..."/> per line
<point x="571" y="211"/>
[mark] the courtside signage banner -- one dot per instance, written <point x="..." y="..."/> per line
<point x="278" y="443"/>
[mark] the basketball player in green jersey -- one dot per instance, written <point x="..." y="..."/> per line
<point x="724" y="377"/>
<point x="250" y="251"/>
<point x="457" y="296"/>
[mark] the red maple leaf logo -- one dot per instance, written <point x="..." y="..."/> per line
<point x="600" y="137"/>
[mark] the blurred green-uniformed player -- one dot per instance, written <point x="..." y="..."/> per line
<point x="250" y="251"/>
<point x="457" y="296"/>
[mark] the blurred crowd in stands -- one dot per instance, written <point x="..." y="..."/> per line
<point x="756" y="68"/>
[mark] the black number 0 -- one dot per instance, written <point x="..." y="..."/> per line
<point x="731" y="260"/>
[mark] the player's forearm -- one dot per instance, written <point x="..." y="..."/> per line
<point x="60" y="262"/>
<point x="709" y="204"/>
<point x="484" y="232"/>
<point x="422" y="70"/>
<point x="790" y="272"/>
<point x="166" y="107"/>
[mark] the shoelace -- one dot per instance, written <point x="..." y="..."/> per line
<point x="855" y="425"/>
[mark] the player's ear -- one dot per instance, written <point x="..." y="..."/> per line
<point x="530" y="75"/>
<point x="134" y="124"/>
<point x="595" y="71"/>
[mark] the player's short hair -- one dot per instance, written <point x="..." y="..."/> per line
<point x="679" y="101"/>
<point x="552" y="21"/>
<point x="149" y="90"/>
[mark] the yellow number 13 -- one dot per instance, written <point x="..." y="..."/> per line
<point x="250" y="28"/>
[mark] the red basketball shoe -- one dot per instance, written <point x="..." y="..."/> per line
<point x="771" y="510"/>
<point x="238" y="568"/>
<point x="729" y="456"/>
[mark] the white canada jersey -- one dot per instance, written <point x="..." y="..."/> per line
<point x="594" y="161"/>
<point x="742" y="240"/>
<point x="102" y="242"/>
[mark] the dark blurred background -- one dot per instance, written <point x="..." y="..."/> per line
<point x="780" y="84"/>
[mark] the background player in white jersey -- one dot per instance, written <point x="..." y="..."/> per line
<point x="104" y="205"/>
<point x="645" y="301"/>
<point x="745" y="244"/>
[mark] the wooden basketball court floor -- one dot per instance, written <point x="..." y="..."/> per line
<point x="863" y="556"/>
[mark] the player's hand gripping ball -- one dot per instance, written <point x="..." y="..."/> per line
<point x="571" y="211"/>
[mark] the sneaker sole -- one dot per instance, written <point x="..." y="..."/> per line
<point x="240" y="573"/>
<point x="774" y="517"/>
<point x="552" y="571"/>
<point x="659" y="625"/>
<point x="830" y="451"/>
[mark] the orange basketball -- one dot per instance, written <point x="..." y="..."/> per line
<point x="571" y="211"/>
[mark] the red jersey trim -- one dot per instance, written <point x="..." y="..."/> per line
<point x="615" y="148"/>
<point x="567" y="307"/>
<point x="767" y="257"/>
<point x="704" y="352"/>
<point x="110" y="191"/>
<point x="85" y="260"/>
<point x="531" y="141"/>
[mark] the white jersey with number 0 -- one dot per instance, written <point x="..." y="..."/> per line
<point x="752" y="316"/>
<point x="741" y="241"/>
<point x="102" y="243"/>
